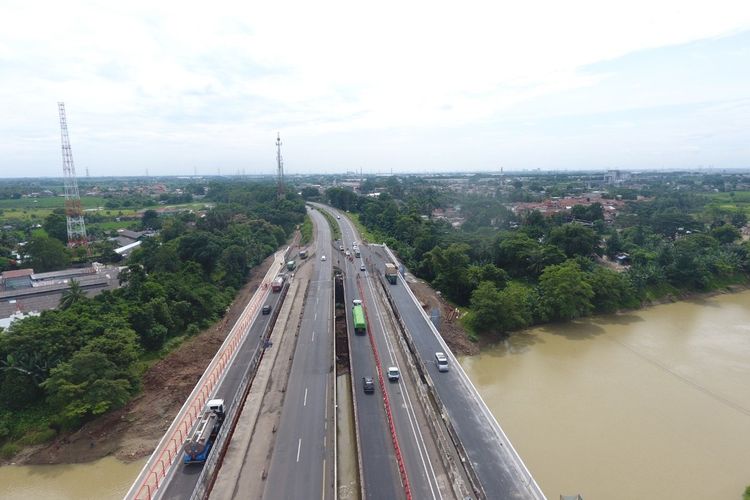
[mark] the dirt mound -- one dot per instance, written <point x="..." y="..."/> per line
<point x="450" y="327"/>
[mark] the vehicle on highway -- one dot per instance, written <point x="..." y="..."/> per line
<point x="347" y="253"/>
<point x="323" y="257"/>
<point x="358" y="315"/>
<point x="199" y="444"/>
<point x="277" y="284"/>
<point x="368" y="385"/>
<point x="391" y="273"/>
<point x="441" y="360"/>
<point x="361" y="267"/>
<point x="393" y="373"/>
<point x="356" y="302"/>
<point x="341" y="247"/>
<point x="338" y="216"/>
<point x="266" y="309"/>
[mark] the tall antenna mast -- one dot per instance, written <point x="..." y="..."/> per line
<point x="280" y="167"/>
<point x="73" y="210"/>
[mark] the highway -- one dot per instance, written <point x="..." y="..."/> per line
<point x="500" y="471"/>
<point x="380" y="471"/>
<point x="184" y="478"/>
<point x="381" y="474"/>
<point x="302" y="464"/>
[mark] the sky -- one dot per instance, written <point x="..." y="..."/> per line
<point x="176" y="88"/>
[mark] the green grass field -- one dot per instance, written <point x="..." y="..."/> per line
<point x="735" y="199"/>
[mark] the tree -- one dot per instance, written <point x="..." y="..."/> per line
<point x="565" y="292"/>
<point x="575" y="239"/>
<point x="512" y="250"/>
<point x="726" y="234"/>
<point x="613" y="245"/>
<point x="484" y="307"/>
<point x="451" y="266"/>
<point x="56" y="225"/>
<point x="515" y="307"/>
<point x="72" y="295"/>
<point x="150" y="220"/>
<point x="612" y="290"/>
<point x="311" y="193"/>
<point x="487" y="272"/>
<point x="89" y="384"/>
<point x="47" y="254"/>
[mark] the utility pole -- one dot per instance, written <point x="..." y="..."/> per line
<point x="73" y="210"/>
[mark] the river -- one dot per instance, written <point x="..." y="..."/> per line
<point x="649" y="404"/>
<point x="107" y="478"/>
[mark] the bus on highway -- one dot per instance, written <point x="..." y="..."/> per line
<point x="359" y="319"/>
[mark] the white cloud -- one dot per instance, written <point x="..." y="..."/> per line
<point x="232" y="71"/>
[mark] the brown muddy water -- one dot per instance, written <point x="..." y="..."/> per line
<point x="651" y="404"/>
<point x="107" y="478"/>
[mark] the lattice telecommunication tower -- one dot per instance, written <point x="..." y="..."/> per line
<point x="280" y="167"/>
<point x="73" y="210"/>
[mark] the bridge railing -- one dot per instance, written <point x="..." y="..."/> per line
<point x="168" y="450"/>
<point x="523" y="470"/>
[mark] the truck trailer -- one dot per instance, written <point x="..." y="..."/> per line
<point x="201" y="441"/>
<point x="391" y="273"/>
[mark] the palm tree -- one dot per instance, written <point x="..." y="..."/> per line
<point x="72" y="295"/>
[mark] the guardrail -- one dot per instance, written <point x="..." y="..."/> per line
<point x="386" y="400"/>
<point x="215" y="459"/>
<point x="530" y="482"/>
<point x="169" y="448"/>
<point x="430" y="402"/>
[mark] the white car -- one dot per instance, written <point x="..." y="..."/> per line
<point x="322" y="257"/>
<point x="441" y="360"/>
<point x="338" y="216"/>
<point x="393" y="374"/>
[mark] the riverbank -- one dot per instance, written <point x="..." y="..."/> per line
<point x="461" y="343"/>
<point x="642" y="404"/>
<point x="132" y="432"/>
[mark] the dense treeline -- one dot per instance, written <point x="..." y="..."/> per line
<point x="551" y="268"/>
<point x="83" y="359"/>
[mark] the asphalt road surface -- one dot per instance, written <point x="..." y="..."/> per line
<point x="302" y="462"/>
<point x="185" y="477"/>
<point x="500" y="473"/>
<point x="378" y="456"/>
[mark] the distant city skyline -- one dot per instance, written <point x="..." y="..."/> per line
<point x="412" y="88"/>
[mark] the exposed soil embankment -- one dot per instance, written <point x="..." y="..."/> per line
<point x="451" y="329"/>
<point x="133" y="431"/>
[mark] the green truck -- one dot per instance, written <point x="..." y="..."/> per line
<point x="358" y="314"/>
<point x="291" y="265"/>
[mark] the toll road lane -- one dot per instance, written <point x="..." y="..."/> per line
<point x="501" y="472"/>
<point x="420" y="469"/>
<point x="184" y="477"/>
<point x="302" y="461"/>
